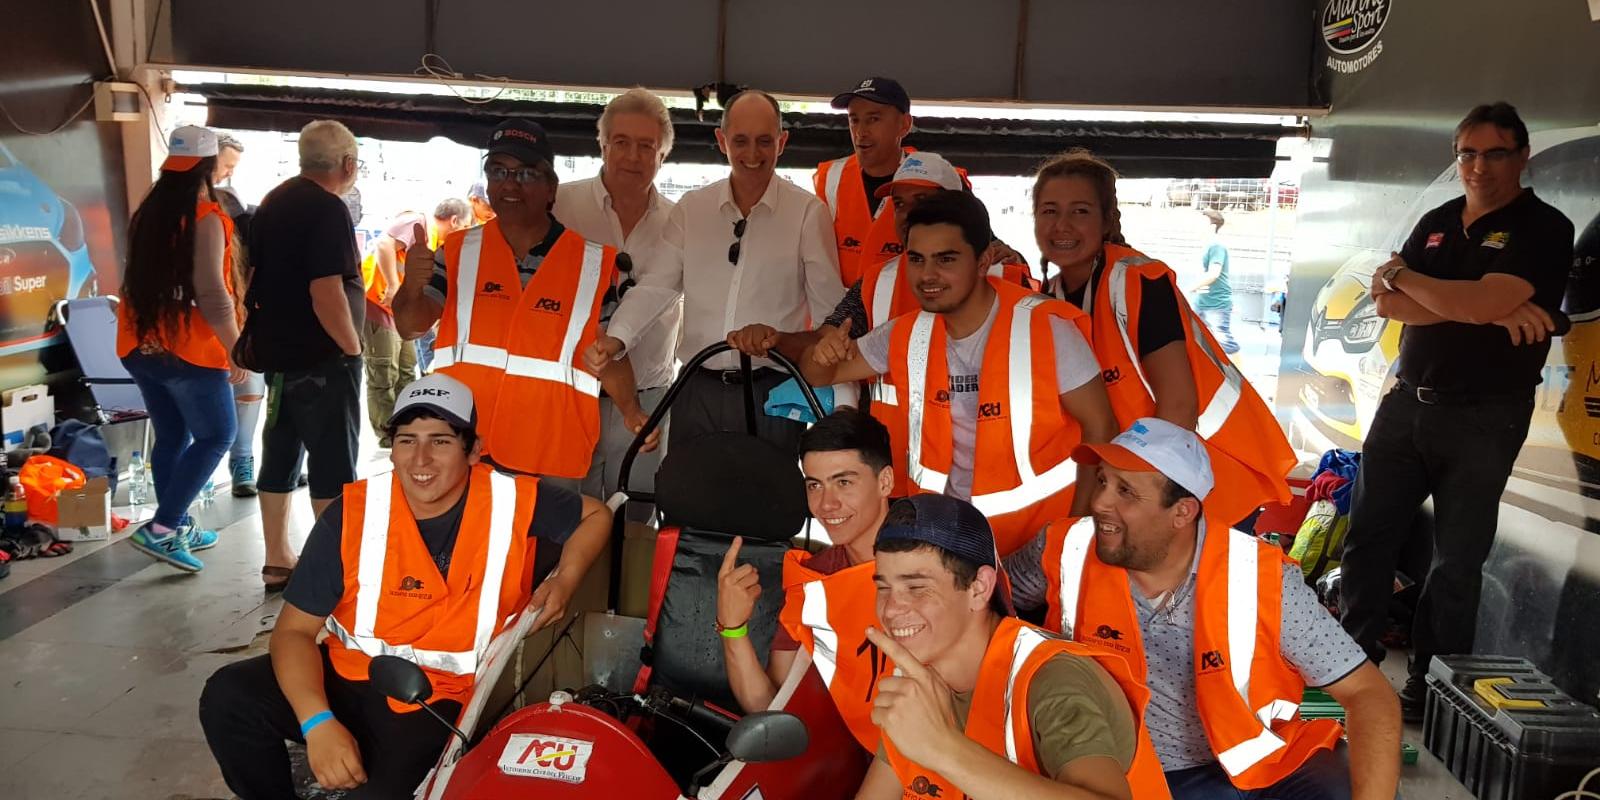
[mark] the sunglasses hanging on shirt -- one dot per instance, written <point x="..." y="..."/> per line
<point x="738" y="236"/>
<point x="624" y="264"/>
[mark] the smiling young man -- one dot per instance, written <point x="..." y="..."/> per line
<point x="517" y="300"/>
<point x="828" y="596"/>
<point x="981" y="704"/>
<point x="1218" y="624"/>
<point x="1016" y="376"/>
<point x="1475" y="285"/>
<point x="398" y="566"/>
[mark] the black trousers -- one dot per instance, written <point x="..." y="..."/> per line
<point x="246" y="720"/>
<point x="707" y="405"/>
<point x="1461" y="456"/>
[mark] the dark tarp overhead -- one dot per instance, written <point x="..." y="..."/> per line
<point x="1140" y="53"/>
<point x="983" y="147"/>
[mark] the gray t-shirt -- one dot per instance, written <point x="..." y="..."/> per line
<point x="1075" y="366"/>
<point x="1309" y="637"/>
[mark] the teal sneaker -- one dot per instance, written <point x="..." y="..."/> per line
<point x="199" y="538"/>
<point x="171" y="549"/>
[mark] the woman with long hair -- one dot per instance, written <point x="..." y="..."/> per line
<point x="1157" y="358"/>
<point x="176" y="327"/>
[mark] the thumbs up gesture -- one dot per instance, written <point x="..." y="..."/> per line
<point x="835" y="345"/>
<point x="419" y="259"/>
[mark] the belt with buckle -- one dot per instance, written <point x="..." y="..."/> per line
<point x="734" y="377"/>
<point x="1430" y="396"/>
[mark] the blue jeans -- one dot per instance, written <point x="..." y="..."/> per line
<point x="191" y="411"/>
<point x="424" y="344"/>
<point x="1326" y="776"/>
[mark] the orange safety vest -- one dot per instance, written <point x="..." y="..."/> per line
<point x="838" y="184"/>
<point x="518" y="348"/>
<point x="886" y="295"/>
<point x="395" y="601"/>
<point x="1023" y="472"/>
<point x="829" y="616"/>
<point x="373" y="279"/>
<point x="1015" y="653"/>
<point x="1248" y="695"/>
<point x="1251" y="457"/>
<point x="197" y="343"/>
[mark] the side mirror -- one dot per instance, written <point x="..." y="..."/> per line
<point x="400" y="679"/>
<point x="767" y="736"/>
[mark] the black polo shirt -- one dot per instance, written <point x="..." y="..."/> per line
<point x="1527" y="238"/>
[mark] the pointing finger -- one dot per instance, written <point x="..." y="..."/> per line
<point x="902" y="658"/>
<point x="732" y="556"/>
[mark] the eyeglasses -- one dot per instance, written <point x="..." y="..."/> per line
<point x="1498" y="155"/>
<point x="738" y="236"/>
<point x="498" y="174"/>
<point x="624" y="264"/>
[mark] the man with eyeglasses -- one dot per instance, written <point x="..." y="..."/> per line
<point x="751" y="255"/>
<point x="1476" y="285"/>
<point x="620" y="207"/>
<point x="517" y="300"/>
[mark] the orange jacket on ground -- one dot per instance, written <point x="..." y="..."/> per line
<point x="196" y="342"/>
<point x="829" y="616"/>
<point x="838" y="184"/>
<point x="1019" y="411"/>
<point x="885" y="295"/>
<point x="518" y="348"/>
<point x="395" y="601"/>
<point x="1248" y="694"/>
<point x="1251" y="458"/>
<point x="1015" y="653"/>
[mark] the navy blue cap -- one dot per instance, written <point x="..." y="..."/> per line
<point x="524" y="140"/>
<point x="885" y="91"/>
<point x="945" y="522"/>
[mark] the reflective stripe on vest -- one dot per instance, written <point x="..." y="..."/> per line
<point x="883" y="292"/>
<point x="1031" y="488"/>
<point x="831" y="184"/>
<point x="559" y="370"/>
<point x="1074" y="552"/>
<point x="917" y="382"/>
<point x="369" y="579"/>
<point x="1224" y="400"/>
<point x="1022" y="648"/>
<point x="824" y="640"/>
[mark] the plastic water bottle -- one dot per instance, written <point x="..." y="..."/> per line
<point x="138" y="487"/>
<point x="16" y="505"/>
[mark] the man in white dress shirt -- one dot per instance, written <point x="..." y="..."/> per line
<point x="750" y="255"/>
<point x="621" y="207"/>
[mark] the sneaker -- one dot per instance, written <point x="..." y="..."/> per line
<point x="171" y="549"/>
<point x="244" y="476"/>
<point x="1413" y="699"/>
<point x="199" y="538"/>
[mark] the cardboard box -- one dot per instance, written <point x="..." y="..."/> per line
<point x="24" y="407"/>
<point x="84" y="514"/>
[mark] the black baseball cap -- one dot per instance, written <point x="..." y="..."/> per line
<point x="524" y="140"/>
<point x="886" y="91"/>
<point x="946" y="522"/>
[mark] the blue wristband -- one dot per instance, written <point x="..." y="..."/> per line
<point x="314" y="721"/>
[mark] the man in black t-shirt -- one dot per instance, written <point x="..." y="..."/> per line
<point x="305" y="310"/>
<point x="372" y="587"/>
<point x="1476" y="285"/>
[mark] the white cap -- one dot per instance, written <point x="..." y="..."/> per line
<point x="441" y="394"/>
<point x="187" y="145"/>
<point x="924" y="169"/>
<point x="1156" y="445"/>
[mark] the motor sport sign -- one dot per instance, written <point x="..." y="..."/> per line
<point x="542" y="755"/>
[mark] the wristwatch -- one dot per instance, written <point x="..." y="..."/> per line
<point x="1388" y="276"/>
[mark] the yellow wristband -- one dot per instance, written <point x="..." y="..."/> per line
<point x="735" y="633"/>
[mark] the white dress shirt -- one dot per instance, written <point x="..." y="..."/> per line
<point x="585" y="207"/>
<point x="787" y="275"/>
